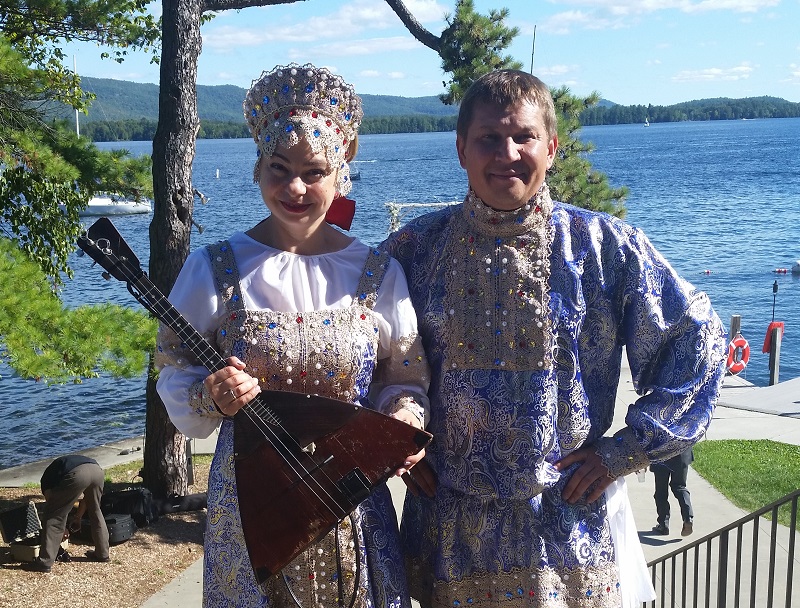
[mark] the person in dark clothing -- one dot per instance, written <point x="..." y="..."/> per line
<point x="64" y="481"/>
<point x="671" y="474"/>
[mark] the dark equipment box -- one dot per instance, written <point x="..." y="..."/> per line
<point x="120" y="528"/>
<point x="20" y="528"/>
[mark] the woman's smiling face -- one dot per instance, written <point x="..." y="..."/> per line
<point x="297" y="186"/>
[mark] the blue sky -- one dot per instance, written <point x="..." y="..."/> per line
<point x="630" y="51"/>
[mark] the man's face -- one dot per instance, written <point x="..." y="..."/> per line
<point x="506" y="153"/>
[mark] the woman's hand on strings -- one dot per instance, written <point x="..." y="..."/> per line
<point x="232" y="388"/>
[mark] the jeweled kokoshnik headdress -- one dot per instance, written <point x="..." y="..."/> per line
<point x="305" y="101"/>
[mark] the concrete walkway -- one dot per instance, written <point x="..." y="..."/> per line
<point x="744" y="412"/>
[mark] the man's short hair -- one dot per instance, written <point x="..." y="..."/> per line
<point x="506" y="88"/>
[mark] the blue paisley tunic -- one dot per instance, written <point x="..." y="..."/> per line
<point x="338" y="325"/>
<point x="524" y="316"/>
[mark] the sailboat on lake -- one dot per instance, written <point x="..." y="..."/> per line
<point x="109" y="203"/>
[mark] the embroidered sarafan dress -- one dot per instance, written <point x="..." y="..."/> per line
<point x="338" y="325"/>
<point x="524" y="316"/>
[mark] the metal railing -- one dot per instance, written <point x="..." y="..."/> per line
<point x="750" y="562"/>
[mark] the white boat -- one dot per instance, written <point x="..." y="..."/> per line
<point x="647" y="121"/>
<point x="108" y="204"/>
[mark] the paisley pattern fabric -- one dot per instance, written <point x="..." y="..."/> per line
<point x="551" y="295"/>
<point x="332" y="351"/>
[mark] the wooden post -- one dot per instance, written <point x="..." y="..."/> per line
<point x="775" y="356"/>
<point x="736" y="327"/>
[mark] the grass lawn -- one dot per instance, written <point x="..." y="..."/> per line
<point x="750" y="473"/>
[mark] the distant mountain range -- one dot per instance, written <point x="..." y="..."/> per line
<point x="122" y="100"/>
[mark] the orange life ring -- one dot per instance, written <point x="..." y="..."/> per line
<point x="738" y="355"/>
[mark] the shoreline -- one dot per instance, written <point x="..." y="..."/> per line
<point x="106" y="455"/>
<point x="736" y="394"/>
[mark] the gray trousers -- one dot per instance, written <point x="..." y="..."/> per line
<point x="86" y="479"/>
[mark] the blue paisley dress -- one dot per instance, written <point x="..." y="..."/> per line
<point x="339" y="325"/>
<point x="524" y="316"/>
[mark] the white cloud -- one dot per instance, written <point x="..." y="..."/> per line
<point x="634" y="7"/>
<point x="377" y="74"/>
<point x="369" y="46"/>
<point x="741" y="72"/>
<point x="426" y="10"/>
<point x="737" y="6"/>
<point x="359" y="15"/>
<point x="556" y="70"/>
<point x="226" y="77"/>
<point x="564" y="23"/>
<point x="228" y="38"/>
<point x="343" y="25"/>
<point x="613" y="14"/>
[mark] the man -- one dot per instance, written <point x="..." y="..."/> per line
<point x="672" y="474"/>
<point x="524" y="307"/>
<point x="64" y="481"/>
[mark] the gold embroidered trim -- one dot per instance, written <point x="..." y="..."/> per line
<point x="587" y="587"/>
<point x="173" y="352"/>
<point x="313" y="576"/>
<point x="226" y="275"/>
<point x="315" y="352"/>
<point x="406" y="363"/>
<point x="371" y="278"/>
<point x="621" y="453"/>
<point x="497" y="271"/>
<point x="201" y="402"/>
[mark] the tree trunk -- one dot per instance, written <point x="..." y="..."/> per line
<point x="165" y="472"/>
<point x="170" y="230"/>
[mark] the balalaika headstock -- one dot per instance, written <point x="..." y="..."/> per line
<point x="106" y="246"/>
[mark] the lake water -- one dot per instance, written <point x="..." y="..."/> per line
<point x="721" y="200"/>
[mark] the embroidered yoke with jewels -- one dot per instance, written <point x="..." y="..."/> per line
<point x="338" y="325"/>
<point x="524" y="316"/>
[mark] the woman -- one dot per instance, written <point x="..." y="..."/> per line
<point x="297" y="305"/>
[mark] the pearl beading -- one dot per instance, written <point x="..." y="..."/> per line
<point x="503" y="259"/>
<point x="294" y="102"/>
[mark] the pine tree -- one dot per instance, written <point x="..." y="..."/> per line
<point x="571" y="178"/>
